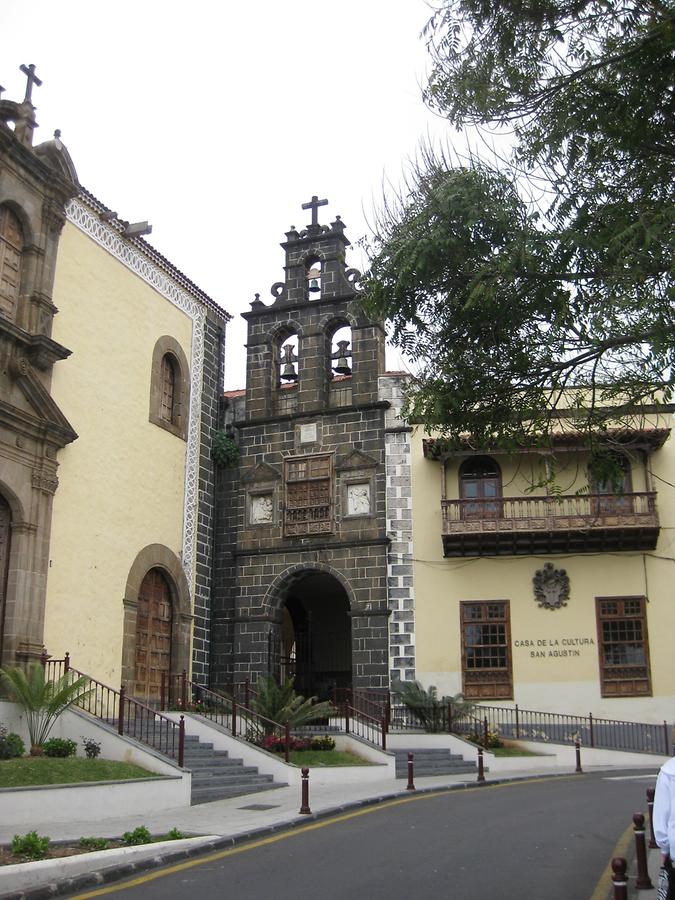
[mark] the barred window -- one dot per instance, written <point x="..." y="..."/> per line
<point x="623" y="646"/>
<point x="167" y="409"/>
<point x="309" y="495"/>
<point x="486" y="650"/>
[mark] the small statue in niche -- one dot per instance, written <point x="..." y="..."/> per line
<point x="261" y="509"/>
<point x="551" y="587"/>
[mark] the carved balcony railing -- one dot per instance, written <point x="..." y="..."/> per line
<point x="579" y="523"/>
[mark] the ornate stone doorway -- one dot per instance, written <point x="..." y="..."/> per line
<point x="153" y="636"/>
<point x="5" y="539"/>
<point x="313" y="643"/>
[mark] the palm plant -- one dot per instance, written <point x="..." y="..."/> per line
<point x="281" y="704"/>
<point x="430" y="709"/>
<point x="42" y="700"/>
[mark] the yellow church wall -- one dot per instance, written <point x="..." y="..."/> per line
<point x="554" y="652"/>
<point x="122" y="481"/>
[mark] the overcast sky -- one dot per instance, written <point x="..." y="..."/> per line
<point x="216" y="120"/>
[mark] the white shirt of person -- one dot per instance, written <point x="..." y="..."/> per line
<point x="663" y="817"/>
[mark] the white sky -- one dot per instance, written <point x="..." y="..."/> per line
<point x="215" y="120"/>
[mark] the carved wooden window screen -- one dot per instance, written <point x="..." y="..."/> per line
<point x="167" y="408"/>
<point x="309" y="495"/>
<point x="623" y="646"/>
<point x="480" y="488"/>
<point x="486" y="650"/>
<point x="11" y="248"/>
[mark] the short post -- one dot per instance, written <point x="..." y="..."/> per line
<point x="304" y="808"/>
<point x="650" y="806"/>
<point x="181" y="741"/>
<point x="481" y="770"/>
<point x="643" y="881"/>
<point x="183" y="689"/>
<point x="577" y="753"/>
<point x="120" y="712"/>
<point x="66" y="662"/>
<point x="619" y="879"/>
<point x="411" y="784"/>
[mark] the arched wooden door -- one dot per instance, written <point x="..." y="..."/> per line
<point x="5" y="537"/>
<point x="153" y="636"/>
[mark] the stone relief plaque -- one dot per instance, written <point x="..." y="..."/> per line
<point x="308" y="433"/>
<point x="262" y="509"/>
<point x="551" y="587"/>
<point x="358" y="499"/>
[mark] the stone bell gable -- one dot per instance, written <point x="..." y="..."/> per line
<point x="301" y="585"/>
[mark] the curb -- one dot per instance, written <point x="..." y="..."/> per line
<point x="117" y="871"/>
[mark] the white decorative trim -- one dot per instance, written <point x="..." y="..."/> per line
<point x="107" y="237"/>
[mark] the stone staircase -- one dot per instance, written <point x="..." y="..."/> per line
<point x="216" y="775"/>
<point x="432" y="762"/>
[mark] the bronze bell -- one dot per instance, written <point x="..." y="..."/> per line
<point x="342" y="367"/>
<point x="313" y="276"/>
<point x="288" y="372"/>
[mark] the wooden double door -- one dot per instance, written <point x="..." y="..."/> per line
<point x="154" y="626"/>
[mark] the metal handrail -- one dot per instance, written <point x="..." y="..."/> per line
<point x="130" y="717"/>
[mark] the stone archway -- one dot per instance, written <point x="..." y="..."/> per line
<point x="313" y="639"/>
<point x="157" y="610"/>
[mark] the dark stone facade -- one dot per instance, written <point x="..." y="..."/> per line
<point x="263" y="556"/>
<point x="214" y="355"/>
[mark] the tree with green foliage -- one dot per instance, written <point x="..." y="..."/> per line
<point x="41" y="699"/>
<point x="537" y="286"/>
<point x="428" y="708"/>
<point x="281" y="704"/>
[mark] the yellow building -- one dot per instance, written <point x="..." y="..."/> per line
<point x="556" y="599"/>
<point x="110" y="559"/>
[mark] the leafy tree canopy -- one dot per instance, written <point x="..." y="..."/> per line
<point x="511" y="281"/>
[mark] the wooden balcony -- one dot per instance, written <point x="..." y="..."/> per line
<point x="516" y="526"/>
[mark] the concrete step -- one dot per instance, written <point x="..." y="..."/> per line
<point x="430" y="762"/>
<point x="206" y="795"/>
<point x="218" y="780"/>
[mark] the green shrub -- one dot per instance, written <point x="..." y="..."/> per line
<point x="11" y="744"/>
<point x="59" y="747"/>
<point x="174" y="835"/>
<point x="31" y="845"/>
<point x="139" y="835"/>
<point x="224" y="451"/>
<point x="92" y="748"/>
<point x="93" y="843"/>
<point x="325" y="742"/>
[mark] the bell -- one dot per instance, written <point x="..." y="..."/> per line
<point x="288" y="372"/>
<point x="313" y="277"/>
<point x="342" y="367"/>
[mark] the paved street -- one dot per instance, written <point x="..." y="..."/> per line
<point x="549" y="838"/>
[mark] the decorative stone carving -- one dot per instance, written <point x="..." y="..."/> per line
<point x="262" y="509"/>
<point x="551" y="587"/>
<point x="358" y="499"/>
<point x="45" y="482"/>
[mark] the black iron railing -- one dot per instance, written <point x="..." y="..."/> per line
<point x="128" y="716"/>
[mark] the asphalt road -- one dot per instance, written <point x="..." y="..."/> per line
<point x="546" y="838"/>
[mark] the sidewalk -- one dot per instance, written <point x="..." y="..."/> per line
<point x="216" y="825"/>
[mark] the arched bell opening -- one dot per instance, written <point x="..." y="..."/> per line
<point x="313" y="643"/>
<point x="314" y="277"/>
<point x="339" y="365"/>
<point x="286" y="372"/>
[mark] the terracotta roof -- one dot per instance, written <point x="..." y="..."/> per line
<point x="232" y="394"/>
<point x="160" y="261"/>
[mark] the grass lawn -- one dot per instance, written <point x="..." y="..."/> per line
<point x="28" y="770"/>
<point x="319" y="758"/>
<point x="513" y="751"/>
